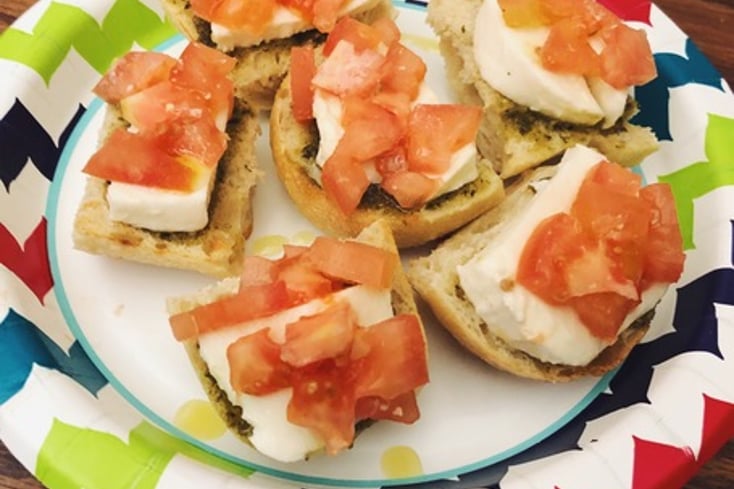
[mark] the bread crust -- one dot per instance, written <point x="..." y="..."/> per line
<point x="216" y="250"/>
<point x="294" y="147"/>
<point x="378" y="234"/>
<point x="436" y="280"/>
<point x="513" y="137"/>
<point x="260" y="69"/>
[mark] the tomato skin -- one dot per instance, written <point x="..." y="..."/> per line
<point x="304" y="282"/>
<point x="393" y="345"/>
<point x="303" y="69"/>
<point x="133" y="72"/>
<point x="255" y="365"/>
<point x="605" y="311"/>
<point x="369" y="129"/>
<point x="344" y="181"/>
<point x="403" y="408"/>
<point x="251" y="15"/>
<point x="257" y="271"/>
<point x="436" y="131"/>
<point x="353" y="262"/>
<point x="567" y="50"/>
<point x="410" y="189"/>
<point x="153" y="166"/>
<point x="403" y="71"/>
<point x="348" y="71"/>
<point x="359" y="35"/>
<point x="327" y="334"/>
<point x="250" y="303"/>
<point x="665" y="257"/>
<point x="196" y="137"/>
<point x="626" y="58"/>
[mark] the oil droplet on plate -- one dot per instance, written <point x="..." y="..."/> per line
<point x="198" y="418"/>
<point x="268" y="246"/>
<point x="400" y="461"/>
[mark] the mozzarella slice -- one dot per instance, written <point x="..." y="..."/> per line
<point x="273" y="435"/>
<point x="524" y="321"/>
<point x="508" y="61"/>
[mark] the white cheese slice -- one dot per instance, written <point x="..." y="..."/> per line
<point x="507" y="59"/>
<point x="285" y="23"/>
<point x="159" y="209"/>
<point x="552" y="334"/>
<point x="273" y="434"/>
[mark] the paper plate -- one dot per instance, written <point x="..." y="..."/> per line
<point x="96" y="390"/>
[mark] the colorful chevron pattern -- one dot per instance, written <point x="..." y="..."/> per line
<point x="667" y="411"/>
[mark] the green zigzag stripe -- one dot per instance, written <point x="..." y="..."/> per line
<point x="62" y="27"/>
<point x="72" y="457"/>
<point x="700" y="178"/>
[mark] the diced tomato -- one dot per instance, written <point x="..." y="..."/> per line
<point x="293" y="251"/>
<point x="396" y="358"/>
<point x="603" y="313"/>
<point x="435" y="132"/>
<point x="197" y="137"/>
<point x="303" y="8"/>
<point x="323" y="400"/>
<point x="255" y="365"/>
<point x="250" y="15"/>
<point x="348" y="71"/>
<point x="257" y="271"/>
<point x="353" y="262"/>
<point x="399" y="103"/>
<point x="303" y="280"/>
<point x="325" y="13"/>
<point x="369" y="129"/>
<point x="303" y="69"/>
<point x="626" y="59"/>
<point x="555" y="242"/>
<point x="388" y="29"/>
<point x="403" y="71"/>
<point x="133" y="72"/>
<point x="403" y="409"/>
<point x="327" y="334"/>
<point x="594" y="272"/>
<point x="616" y="178"/>
<point x="205" y="70"/>
<point x="344" y="181"/>
<point x="664" y="258"/>
<point x="567" y="50"/>
<point x="162" y="103"/>
<point x="410" y="189"/>
<point x="358" y="34"/>
<point x="523" y="13"/>
<point x="250" y="303"/>
<point x="139" y="159"/>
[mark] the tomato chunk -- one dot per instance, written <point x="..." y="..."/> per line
<point x="396" y="358"/>
<point x="250" y="15"/>
<point x="344" y="181"/>
<point x="327" y="334"/>
<point x="348" y="71"/>
<point x="361" y="36"/>
<point x="161" y="104"/>
<point x="353" y="262"/>
<point x="197" y="137"/>
<point x="626" y="59"/>
<point x="325" y="13"/>
<point x="133" y="72"/>
<point x="257" y="271"/>
<point x="664" y="258"/>
<point x="403" y="409"/>
<point x="567" y="50"/>
<point x="435" y="132"/>
<point x="303" y="69"/>
<point x="323" y="400"/>
<point x="250" y="303"/>
<point x="139" y="159"/>
<point x="303" y="280"/>
<point x="255" y="365"/>
<point x="410" y="189"/>
<point x="403" y="71"/>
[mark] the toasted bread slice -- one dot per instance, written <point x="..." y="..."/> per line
<point x="216" y="250"/>
<point x="261" y="68"/>
<point x="513" y="137"/>
<point x="294" y="146"/>
<point x="378" y="234"/>
<point x="436" y="280"/>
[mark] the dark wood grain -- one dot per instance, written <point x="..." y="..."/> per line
<point x="710" y="23"/>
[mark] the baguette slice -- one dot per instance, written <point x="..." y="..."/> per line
<point x="513" y="137"/>
<point x="294" y="146"/>
<point x="436" y="280"/>
<point x="378" y="234"/>
<point x="261" y="68"/>
<point x="216" y="250"/>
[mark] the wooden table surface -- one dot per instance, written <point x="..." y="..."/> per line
<point x="710" y="23"/>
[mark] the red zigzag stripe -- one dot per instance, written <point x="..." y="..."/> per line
<point x="29" y="263"/>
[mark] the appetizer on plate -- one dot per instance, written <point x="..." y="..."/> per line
<point x="171" y="183"/>
<point x="302" y="351"/>
<point x="549" y="73"/>
<point x="357" y="136"/>
<point x="562" y="279"/>
<point x="261" y="33"/>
